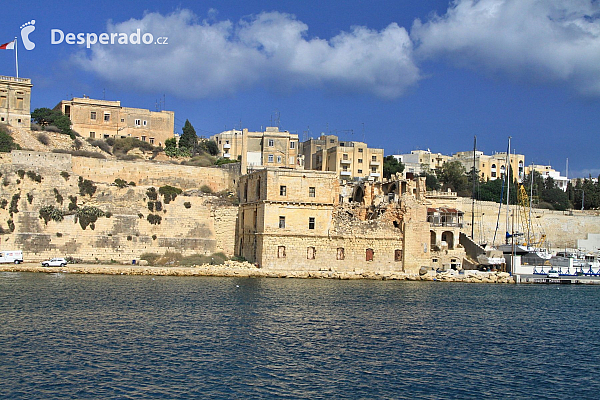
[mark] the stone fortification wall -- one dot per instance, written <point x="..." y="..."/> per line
<point x="192" y="224"/>
<point x="562" y="229"/>
<point x="153" y="174"/>
<point x="139" y="172"/>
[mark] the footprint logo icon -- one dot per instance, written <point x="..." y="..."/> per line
<point x="26" y="29"/>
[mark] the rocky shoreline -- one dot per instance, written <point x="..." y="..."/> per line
<point x="244" y="269"/>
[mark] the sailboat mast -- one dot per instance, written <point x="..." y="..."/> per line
<point x="473" y="193"/>
<point x="507" y="188"/>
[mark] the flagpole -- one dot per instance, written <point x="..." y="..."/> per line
<point x="16" y="56"/>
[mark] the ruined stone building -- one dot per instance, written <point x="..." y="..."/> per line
<point x="101" y="119"/>
<point x="15" y="99"/>
<point x="350" y="160"/>
<point x="304" y="220"/>
<point x="271" y="148"/>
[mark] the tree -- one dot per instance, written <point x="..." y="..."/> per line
<point x="391" y="166"/>
<point x="453" y="175"/>
<point x="46" y="117"/>
<point x="210" y="146"/>
<point x="7" y="143"/>
<point x="170" y="143"/>
<point x="188" y="138"/>
<point x="431" y="181"/>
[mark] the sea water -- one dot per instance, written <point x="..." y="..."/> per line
<point x="66" y="336"/>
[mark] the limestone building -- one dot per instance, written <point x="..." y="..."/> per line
<point x="421" y="161"/>
<point x="15" y="99"/>
<point x="300" y="220"/>
<point x="491" y="167"/>
<point x="546" y="171"/>
<point x="271" y="148"/>
<point x="101" y="119"/>
<point x="350" y="160"/>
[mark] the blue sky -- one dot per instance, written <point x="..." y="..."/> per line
<point x="401" y="74"/>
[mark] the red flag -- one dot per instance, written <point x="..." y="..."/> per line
<point x="8" y="46"/>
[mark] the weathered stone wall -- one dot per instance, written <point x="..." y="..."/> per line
<point x="206" y="225"/>
<point x="562" y="229"/>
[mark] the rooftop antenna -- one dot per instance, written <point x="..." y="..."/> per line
<point x="306" y="134"/>
<point x="104" y="94"/>
<point x="363" y="129"/>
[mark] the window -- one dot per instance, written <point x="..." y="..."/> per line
<point x="93" y="135"/>
<point x="345" y="168"/>
<point x="360" y="171"/>
<point x="369" y="254"/>
<point x="311" y="223"/>
<point x="281" y="222"/>
<point x="340" y="254"/>
<point x="311" y="253"/>
<point x="137" y="122"/>
<point x="311" y="192"/>
<point x="397" y="255"/>
<point x="374" y="169"/>
<point x="258" y="190"/>
<point x="270" y="157"/>
<point x="271" y="143"/>
<point x="373" y="158"/>
<point x="360" y="150"/>
<point x="278" y="159"/>
<point x="345" y="156"/>
<point x="331" y="141"/>
<point x="122" y="119"/>
<point x="360" y="160"/>
<point x="143" y="138"/>
<point x="2" y="101"/>
<point x="292" y="145"/>
<point x="145" y="123"/>
<point x="282" y="190"/>
<point x="151" y="140"/>
<point x="255" y="218"/>
<point x="281" y="252"/>
<point x="106" y="117"/>
<point x="19" y="102"/>
<point x="106" y="136"/>
<point x="93" y="115"/>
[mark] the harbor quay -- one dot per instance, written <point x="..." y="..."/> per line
<point x="248" y="270"/>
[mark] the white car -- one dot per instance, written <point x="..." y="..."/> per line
<point x="553" y="274"/>
<point x="55" y="262"/>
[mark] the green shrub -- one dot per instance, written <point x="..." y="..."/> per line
<point x="7" y="143"/>
<point x="154" y="237"/>
<point x="206" y="189"/>
<point x="77" y="144"/>
<point x="3" y="203"/>
<point x="57" y="196"/>
<point x="43" y="139"/>
<point x="102" y="145"/>
<point x="29" y="197"/>
<point x="86" y="187"/>
<point x="14" y="204"/>
<point x="48" y="213"/>
<point x="154" y="219"/>
<point x="21" y="173"/>
<point x="73" y="203"/>
<point x="88" y="216"/>
<point x="34" y="177"/>
<point x="151" y="206"/>
<point x="11" y="225"/>
<point x="150" y="257"/>
<point x="132" y="183"/>
<point x="65" y="175"/>
<point x="120" y="183"/>
<point x="187" y="204"/>
<point x="169" y="193"/>
<point x="151" y="193"/>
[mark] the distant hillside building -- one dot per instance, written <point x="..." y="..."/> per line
<point x="546" y="171"/>
<point x="101" y="119"/>
<point x="271" y="148"/>
<point x="491" y="167"/>
<point x="15" y="98"/>
<point x="421" y="161"/>
<point x="348" y="159"/>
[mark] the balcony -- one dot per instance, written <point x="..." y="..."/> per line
<point x="346" y="162"/>
<point x="226" y="146"/>
<point x="375" y="174"/>
<point x="375" y="163"/>
<point x="226" y="155"/>
<point x="345" y="173"/>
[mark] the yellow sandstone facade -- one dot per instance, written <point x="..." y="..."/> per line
<point x="101" y="119"/>
<point x="15" y="100"/>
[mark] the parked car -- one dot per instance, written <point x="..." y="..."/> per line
<point x="553" y="274"/>
<point x="55" y="262"/>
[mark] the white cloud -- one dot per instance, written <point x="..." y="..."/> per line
<point x="540" y="40"/>
<point x="206" y="58"/>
